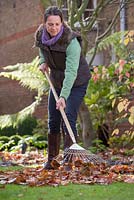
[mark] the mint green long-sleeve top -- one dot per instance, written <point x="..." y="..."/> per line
<point x="73" y="52"/>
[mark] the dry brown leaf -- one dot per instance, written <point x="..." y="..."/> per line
<point x="72" y="172"/>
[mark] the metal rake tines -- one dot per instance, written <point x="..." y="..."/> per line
<point x="83" y="155"/>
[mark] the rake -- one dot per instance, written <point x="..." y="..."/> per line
<point x="75" y="152"/>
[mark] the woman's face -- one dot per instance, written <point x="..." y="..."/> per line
<point x="53" y="25"/>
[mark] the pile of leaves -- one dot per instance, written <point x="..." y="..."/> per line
<point x="78" y="172"/>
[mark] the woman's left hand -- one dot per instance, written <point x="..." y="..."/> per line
<point x="60" y="103"/>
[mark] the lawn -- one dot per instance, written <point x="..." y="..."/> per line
<point x="115" y="191"/>
<point x="93" y="191"/>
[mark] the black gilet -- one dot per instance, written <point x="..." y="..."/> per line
<point x="55" y="57"/>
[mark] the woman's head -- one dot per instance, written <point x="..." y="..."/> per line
<point x="55" y="11"/>
<point x="53" y="20"/>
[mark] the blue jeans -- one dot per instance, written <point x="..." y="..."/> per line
<point x="72" y="107"/>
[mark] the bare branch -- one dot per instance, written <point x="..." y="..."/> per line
<point x="99" y="38"/>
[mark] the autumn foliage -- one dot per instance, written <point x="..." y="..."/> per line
<point x="77" y="172"/>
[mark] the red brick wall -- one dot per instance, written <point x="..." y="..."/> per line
<point x="106" y="17"/>
<point x="18" y="22"/>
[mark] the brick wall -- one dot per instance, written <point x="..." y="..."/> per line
<point x="106" y="17"/>
<point x="18" y="22"/>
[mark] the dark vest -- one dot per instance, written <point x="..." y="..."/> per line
<point x="55" y="57"/>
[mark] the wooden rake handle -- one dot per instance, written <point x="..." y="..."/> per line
<point x="64" y="116"/>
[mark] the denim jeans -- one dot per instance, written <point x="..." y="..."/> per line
<point x="72" y="107"/>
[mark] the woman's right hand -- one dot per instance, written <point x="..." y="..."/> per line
<point x="43" y="67"/>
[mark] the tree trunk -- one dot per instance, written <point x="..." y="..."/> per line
<point x="88" y="134"/>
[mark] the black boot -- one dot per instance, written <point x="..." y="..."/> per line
<point x="53" y="149"/>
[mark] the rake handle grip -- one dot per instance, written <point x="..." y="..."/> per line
<point x="64" y="116"/>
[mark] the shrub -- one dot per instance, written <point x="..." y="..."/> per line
<point x="26" y="127"/>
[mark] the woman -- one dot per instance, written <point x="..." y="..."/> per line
<point x="60" y="52"/>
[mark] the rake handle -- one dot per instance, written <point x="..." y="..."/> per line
<point x="64" y="116"/>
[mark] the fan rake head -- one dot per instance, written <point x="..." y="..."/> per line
<point x="77" y="153"/>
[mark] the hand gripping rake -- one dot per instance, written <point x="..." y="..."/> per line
<point x="74" y="152"/>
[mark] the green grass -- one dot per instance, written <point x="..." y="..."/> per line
<point x="116" y="191"/>
<point x="11" y="168"/>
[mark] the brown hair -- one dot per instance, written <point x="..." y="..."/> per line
<point x="53" y="10"/>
